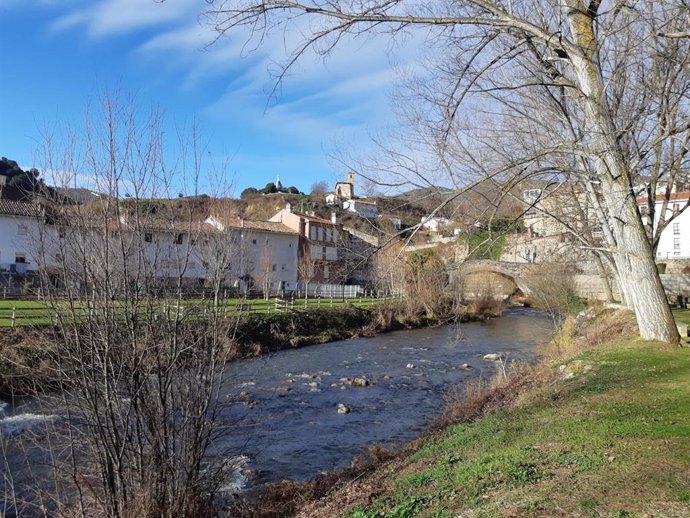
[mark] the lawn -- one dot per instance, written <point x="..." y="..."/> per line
<point x="29" y="312"/>
<point x="612" y="441"/>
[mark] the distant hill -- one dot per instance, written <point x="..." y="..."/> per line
<point x="18" y="184"/>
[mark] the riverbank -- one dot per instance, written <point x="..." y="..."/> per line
<point x="28" y="353"/>
<point x="601" y="429"/>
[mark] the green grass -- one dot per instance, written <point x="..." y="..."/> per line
<point x="682" y="315"/>
<point x="28" y="312"/>
<point x="612" y="442"/>
<point x="485" y="245"/>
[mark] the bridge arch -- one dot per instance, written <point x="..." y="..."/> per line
<point x="512" y="272"/>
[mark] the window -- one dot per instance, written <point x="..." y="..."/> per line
<point x="273" y="267"/>
<point x="312" y="233"/>
<point x="676" y="229"/>
<point x="20" y="258"/>
<point x="644" y="210"/>
<point x="21" y="230"/>
<point x="178" y="239"/>
<point x="61" y="233"/>
<point x="326" y="272"/>
<point x="676" y="208"/>
<point x="676" y="243"/>
<point x="148" y="237"/>
<point x="282" y="267"/>
<point x="253" y="241"/>
<point x="324" y="252"/>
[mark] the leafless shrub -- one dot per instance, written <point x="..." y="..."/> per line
<point x="553" y="290"/>
<point x="485" y="303"/>
<point x="479" y="397"/>
<point x="143" y="365"/>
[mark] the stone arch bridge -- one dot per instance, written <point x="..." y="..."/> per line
<point x="513" y="272"/>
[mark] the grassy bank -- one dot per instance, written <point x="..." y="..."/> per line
<point x="16" y="313"/>
<point x="602" y="432"/>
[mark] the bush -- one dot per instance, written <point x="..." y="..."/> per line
<point x="553" y="290"/>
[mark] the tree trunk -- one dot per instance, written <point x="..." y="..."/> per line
<point x="637" y="272"/>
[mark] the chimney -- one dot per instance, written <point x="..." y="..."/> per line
<point x="351" y="178"/>
<point x="334" y="218"/>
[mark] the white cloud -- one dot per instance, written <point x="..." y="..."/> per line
<point x="109" y="17"/>
<point x="321" y="99"/>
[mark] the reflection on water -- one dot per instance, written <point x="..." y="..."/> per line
<point x="289" y="425"/>
<point x="285" y="423"/>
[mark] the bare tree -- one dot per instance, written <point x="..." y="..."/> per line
<point x="141" y="365"/>
<point x="306" y="272"/>
<point x="318" y="189"/>
<point x="388" y="268"/>
<point x="500" y="62"/>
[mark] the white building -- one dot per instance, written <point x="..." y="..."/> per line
<point x="22" y="233"/>
<point x="433" y="223"/>
<point x="262" y="254"/>
<point x="674" y="242"/>
<point x="344" y="195"/>
<point x="361" y="207"/>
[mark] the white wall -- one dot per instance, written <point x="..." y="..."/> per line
<point x="23" y="236"/>
<point x="674" y="242"/>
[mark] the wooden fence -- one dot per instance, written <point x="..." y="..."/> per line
<point x="18" y="312"/>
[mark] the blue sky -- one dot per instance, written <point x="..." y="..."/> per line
<point x="59" y="55"/>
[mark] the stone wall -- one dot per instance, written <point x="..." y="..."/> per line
<point x="591" y="287"/>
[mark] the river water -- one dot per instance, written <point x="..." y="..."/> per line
<point x="285" y="424"/>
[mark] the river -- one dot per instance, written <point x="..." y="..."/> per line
<point x="285" y="424"/>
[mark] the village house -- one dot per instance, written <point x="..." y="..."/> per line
<point x="22" y="232"/>
<point x="344" y="196"/>
<point x="547" y="205"/>
<point x="319" y="244"/>
<point x="434" y="223"/>
<point x="259" y="255"/>
<point x="674" y="242"/>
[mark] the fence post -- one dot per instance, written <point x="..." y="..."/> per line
<point x="14" y="314"/>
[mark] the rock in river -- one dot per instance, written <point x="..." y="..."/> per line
<point x="359" y="382"/>
<point x="343" y="409"/>
<point x="492" y="357"/>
